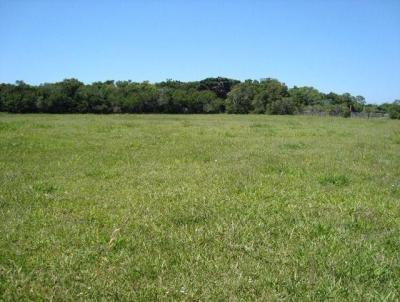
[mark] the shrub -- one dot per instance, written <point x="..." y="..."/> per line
<point x="282" y="106"/>
<point x="394" y="110"/>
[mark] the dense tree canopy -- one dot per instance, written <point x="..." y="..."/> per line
<point x="211" y="95"/>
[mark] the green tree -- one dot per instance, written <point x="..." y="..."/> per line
<point x="394" y="110"/>
<point x="241" y="97"/>
<point x="282" y="106"/>
<point x="220" y="86"/>
<point x="269" y="91"/>
<point x="305" y="96"/>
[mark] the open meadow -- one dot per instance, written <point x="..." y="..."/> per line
<point x="199" y="208"/>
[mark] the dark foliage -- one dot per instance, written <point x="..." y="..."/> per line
<point x="211" y="95"/>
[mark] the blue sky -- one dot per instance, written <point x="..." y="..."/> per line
<point x="341" y="46"/>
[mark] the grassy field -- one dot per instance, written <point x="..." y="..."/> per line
<point x="199" y="208"/>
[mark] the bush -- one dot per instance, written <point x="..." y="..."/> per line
<point x="394" y="110"/>
<point x="282" y="106"/>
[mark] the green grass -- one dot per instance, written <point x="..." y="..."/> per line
<point x="199" y="208"/>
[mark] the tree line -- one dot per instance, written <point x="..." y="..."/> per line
<point x="211" y="95"/>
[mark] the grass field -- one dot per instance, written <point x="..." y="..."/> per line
<point x="199" y="208"/>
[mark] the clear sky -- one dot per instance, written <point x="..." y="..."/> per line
<point x="341" y="46"/>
